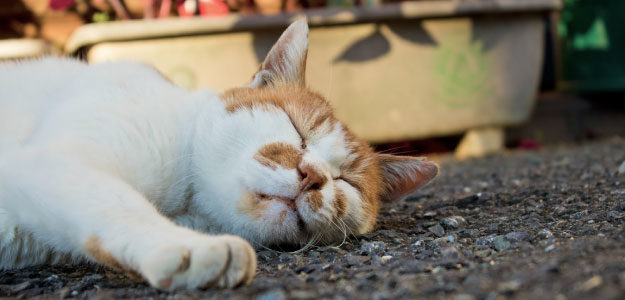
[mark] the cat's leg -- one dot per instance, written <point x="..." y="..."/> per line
<point x="83" y="211"/>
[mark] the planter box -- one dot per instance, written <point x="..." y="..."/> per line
<point x="396" y="72"/>
<point x="23" y="48"/>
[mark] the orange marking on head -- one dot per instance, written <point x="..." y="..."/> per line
<point x="279" y="154"/>
<point x="340" y="203"/>
<point x="305" y="108"/>
<point x="363" y="173"/>
<point x="315" y="200"/>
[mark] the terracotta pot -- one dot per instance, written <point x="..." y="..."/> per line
<point x="268" y="7"/>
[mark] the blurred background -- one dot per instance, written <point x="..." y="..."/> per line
<point x="470" y="77"/>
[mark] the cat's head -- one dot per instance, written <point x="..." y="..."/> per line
<point x="278" y="167"/>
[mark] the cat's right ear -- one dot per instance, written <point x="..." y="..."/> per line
<point x="286" y="61"/>
<point x="403" y="175"/>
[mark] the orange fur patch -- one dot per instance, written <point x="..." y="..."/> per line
<point x="306" y="109"/>
<point x="252" y="206"/>
<point x="281" y="154"/>
<point x="340" y="203"/>
<point x="363" y="173"/>
<point x="315" y="200"/>
<point x="93" y="247"/>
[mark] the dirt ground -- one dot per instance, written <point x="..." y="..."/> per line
<point x="528" y="225"/>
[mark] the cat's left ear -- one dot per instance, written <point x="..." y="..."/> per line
<point x="286" y="61"/>
<point x="403" y="175"/>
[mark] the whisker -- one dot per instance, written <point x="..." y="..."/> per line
<point x="347" y="227"/>
<point x="343" y="230"/>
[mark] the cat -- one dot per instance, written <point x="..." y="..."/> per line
<point x="113" y="164"/>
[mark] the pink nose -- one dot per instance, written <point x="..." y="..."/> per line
<point x="311" y="178"/>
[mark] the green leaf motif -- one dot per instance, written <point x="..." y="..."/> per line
<point x="462" y="73"/>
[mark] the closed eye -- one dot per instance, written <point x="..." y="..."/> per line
<point x="342" y="179"/>
<point x="348" y="181"/>
<point x="303" y="141"/>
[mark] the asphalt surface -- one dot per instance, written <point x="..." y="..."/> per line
<point x="545" y="224"/>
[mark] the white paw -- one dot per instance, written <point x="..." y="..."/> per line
<point x="219" y="261"/>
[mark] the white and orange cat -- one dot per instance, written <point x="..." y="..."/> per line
<point x="113" y="164"/>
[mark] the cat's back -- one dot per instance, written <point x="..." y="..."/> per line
<point x="52" y="91"/>
<point x="54" y="79"/>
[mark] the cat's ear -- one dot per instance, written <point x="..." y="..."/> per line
<point x="286" y="61"/>
<point x="402" y="175"/>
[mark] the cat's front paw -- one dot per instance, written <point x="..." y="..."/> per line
<point x="219" y="261"/>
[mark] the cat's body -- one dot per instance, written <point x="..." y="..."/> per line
<point x="119" y="126"/>
<point x="113" y="164"/>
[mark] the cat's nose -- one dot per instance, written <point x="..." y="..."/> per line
<point x="311" y="178"/>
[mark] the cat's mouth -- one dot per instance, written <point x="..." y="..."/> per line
<point x="291" y="203"/>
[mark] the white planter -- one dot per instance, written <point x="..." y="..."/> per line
<point x="406" y="71"/>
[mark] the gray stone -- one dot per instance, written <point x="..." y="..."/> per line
<point x="277" y="294"/>
<point x="451" y="253"/>
<point x="453" y="222"/>
<point x="372" y="248"/>
<point x="464" y="297"/>
<point x="468" y="233"/>
<point x="391" y="234"/>
<point x="484" y="196"/>
<point x="545" y="234"/>
<point x="517" y="236"/>
<point x="613" y="216"/>
<point x="501" y="243"/>
<point x="289" y="259"/>
<point x="483" y="253"/>
<point x="437" y="229"/>
<point x="509" y="286"/>
<point x="443" y="241"/>
<point x="413" y="266"/>
<point x="380" y="260"/>
<point x="267" y="255"/>
<point x="355" y="260"/>
<point x="485" y="241"/>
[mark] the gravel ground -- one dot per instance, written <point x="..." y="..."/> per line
<point x="529" y="225"/>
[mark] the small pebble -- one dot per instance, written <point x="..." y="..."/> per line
<point x="464" y="297"/>
<point x="277" y="294"/>
<point x="613" y="215"/>
<point x="453" y="222"/>
<point x="413" y="266"/>
<point x="501" y="243"/>
<point x="591" y="283"/>
<point x="545" y="234"/>
<point x="372" y="248"/>
<point x="437" y="229"/>
<point x="509" y="286"/>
